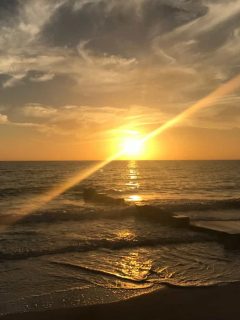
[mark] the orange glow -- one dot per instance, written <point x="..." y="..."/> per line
<point x="133" y="147"/>
<point x="209" y="100"/>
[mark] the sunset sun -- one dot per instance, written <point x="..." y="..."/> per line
<point x="133" y="147"/>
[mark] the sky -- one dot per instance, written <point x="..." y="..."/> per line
<point x="79" y="76"/>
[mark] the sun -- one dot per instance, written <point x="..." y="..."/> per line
<point x="133" y="147"/>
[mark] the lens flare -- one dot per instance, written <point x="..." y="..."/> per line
<point x="207" y="101"/>
<point x="37" y="202"/>
<point x="131" y="146"/>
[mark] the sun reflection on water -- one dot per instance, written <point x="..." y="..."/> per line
<point x="125" y="234"/>
<point x="133" y="173"/>
<point x="135" y="266"/>
<point x="134" y="198"/>
<point x="132" y="182"/>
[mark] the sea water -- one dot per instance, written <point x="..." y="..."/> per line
<point x="68" y="252"/>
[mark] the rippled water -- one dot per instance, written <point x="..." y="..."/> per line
<point x="95" y="253"/>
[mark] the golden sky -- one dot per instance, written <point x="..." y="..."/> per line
<point x="78" y="78"/>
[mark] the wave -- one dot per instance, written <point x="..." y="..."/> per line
<point x="21" y="191"/>
<point x="116" y="244"/>
<point x="101" y="271"/>
<point x="151" y="213"/>
<point x="103" y="205"/>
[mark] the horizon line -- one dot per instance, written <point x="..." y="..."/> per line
<point x="98" y="160"/>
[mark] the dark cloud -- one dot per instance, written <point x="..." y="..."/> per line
<point x="120" y="28"/>
<point x="171" y="14"/>
<point x="50" y="92"/>
<point x="8" y="5"/>
<point x="3" y="78"/>
<point x="8" y="8"/>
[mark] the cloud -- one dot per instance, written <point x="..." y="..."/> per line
<point x="3" y="119"/>
<point x="118" y="27"/>
<point x="19" y="48"/>
<point x="77" y="121"/>
<point x="62" y="62"/>
<point x="41" y="77"/>
<point x="8" y="9"/>
<point x="39" y="111"/>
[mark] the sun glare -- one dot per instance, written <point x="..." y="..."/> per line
<point x="133" y="147"/>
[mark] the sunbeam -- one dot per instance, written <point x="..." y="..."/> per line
<point x="207" y="101"/>
<point x="37" y="202"/>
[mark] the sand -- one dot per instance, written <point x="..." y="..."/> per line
<point x="168" y="303"/>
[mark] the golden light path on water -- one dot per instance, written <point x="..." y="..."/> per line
<point x="37" y="202"/>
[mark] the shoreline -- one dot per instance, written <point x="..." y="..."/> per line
<point x="171" y="303"/>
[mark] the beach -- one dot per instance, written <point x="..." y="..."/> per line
<point x="99" y="258"/>
<point x="220" y="303"/>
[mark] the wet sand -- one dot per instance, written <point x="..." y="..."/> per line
<point x="169" y="303"/>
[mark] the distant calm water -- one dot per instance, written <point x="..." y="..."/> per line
<point x="70" y="253"/>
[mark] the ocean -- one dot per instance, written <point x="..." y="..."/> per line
<point x="70" y="253"/>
